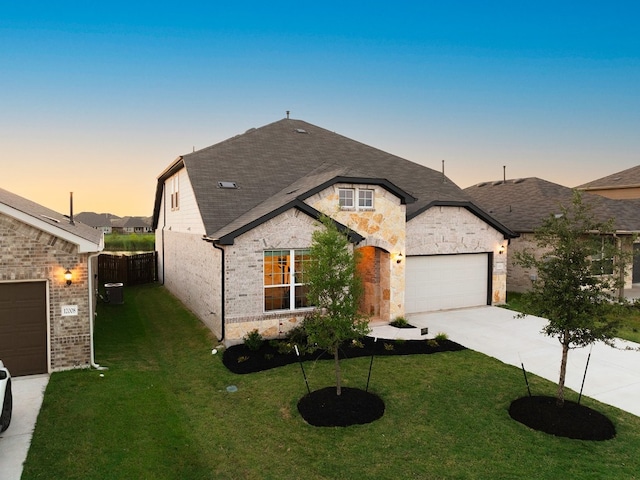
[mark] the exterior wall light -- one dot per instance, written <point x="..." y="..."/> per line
<point x="68" y="276"/>
<point x="399" y="258"/>
<point x="501" y="249"/>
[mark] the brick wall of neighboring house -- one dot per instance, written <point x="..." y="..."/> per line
<point x="244" y="281"/>
<point x="191" y="270"/>
<point x="27" y="254"/>
<point x="452" y="230"/>
<point x="519" y="279"/>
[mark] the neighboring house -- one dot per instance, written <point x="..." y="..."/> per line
<point x="99" y="221"/>
<point x="137" y="225"/>
<point x="46" y="319"/>
<point x="234" y="223"/>
<point x="624" y="184"/>
<point x="523" y="204"/>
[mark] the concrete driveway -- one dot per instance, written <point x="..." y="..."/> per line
<point x="613" y="376"/>
<point x="28" y="393"/>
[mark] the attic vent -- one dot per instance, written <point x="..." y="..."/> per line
<point x="301" y="130"/>
<point x="482" y="184"/>
<point x="519" y="180"/>
<point x="227" y="185"/>
<point x="50" y="218"/>
<point x="499" y="182"/>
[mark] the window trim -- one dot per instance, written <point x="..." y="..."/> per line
<point x="357" y="198"/>
<point x="293" y="275"/>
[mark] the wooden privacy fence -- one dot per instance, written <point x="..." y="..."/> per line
<point x="128" y="269"/>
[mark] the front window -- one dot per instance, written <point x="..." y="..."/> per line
<point x="346" y="198"/>
<point x="602" y="259"/>
<point x="365" y="198"/>
<point x="284" y="287"/>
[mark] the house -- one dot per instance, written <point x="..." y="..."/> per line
<point x="137" y="225"/>
<point x="523" y="204"/>
<point x="234" y="221"/>
<point x="48" y="264"/>
<point x="624" y="184"/>
<point x="99" y="221"/>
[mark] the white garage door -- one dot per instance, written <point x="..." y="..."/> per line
<point x="440" y="282"/>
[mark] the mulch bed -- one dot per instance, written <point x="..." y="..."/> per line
<point x="571" y="421"/>
<point x="323" y="408"/>
<point x="239" y="359"/>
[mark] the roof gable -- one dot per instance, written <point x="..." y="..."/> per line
<point x="87" y="238"/>
<point x="523" y="204"/>
<point x="624" y="179"/>
<point x="292" y="155"/>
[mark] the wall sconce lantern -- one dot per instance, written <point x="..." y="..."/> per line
<point x="399" y="258"/>
<point x="501" y="249"/>
<point x="68" y="276"/>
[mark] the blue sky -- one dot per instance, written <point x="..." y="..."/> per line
<point x="99" y="99"/>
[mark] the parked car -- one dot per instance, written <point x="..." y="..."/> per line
<point x="6" y="398"/>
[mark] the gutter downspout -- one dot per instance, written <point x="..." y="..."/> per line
<point x="92" y="311"/>
<point x="222" y="286"/>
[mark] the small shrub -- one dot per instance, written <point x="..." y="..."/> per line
<point x="400" y="341"/>
<point x="243" y="358"/>
<point x="388" y="346"/>
<point x="357" y="343"/>
<point x="441" y="336"/>
<point x="268" y="356"/>
<point x="432" y="342"/>
<point x="253" y="340"/>
<point x="399" y="322"/>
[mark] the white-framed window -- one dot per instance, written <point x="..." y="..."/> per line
<point x="602" y="260"/>
<point x="284" y="283"/>
<point x="175" y="192"/>
<point x="365" y="198"/>
<point x="347" y="198"/>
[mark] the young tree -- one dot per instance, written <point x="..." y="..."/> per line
<point x="334" y="288"/>
<point x="578" y="279"/>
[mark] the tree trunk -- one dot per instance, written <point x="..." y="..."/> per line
<point x="336" y="358"/>
<point x="563" y="370"/>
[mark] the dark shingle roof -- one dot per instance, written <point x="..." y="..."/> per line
<point x="626" y="178"/>
<point x="523" y="204"/>
<point x="54" y="220"/>
<point x="277" y="163"/>
<point x="95" y="219"/>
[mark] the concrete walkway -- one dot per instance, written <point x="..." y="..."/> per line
<point x="613" y="376"/>
<point x="28" y="393"/>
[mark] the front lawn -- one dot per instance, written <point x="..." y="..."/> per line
<point x="162" y="411"/>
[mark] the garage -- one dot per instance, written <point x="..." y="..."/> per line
<point x="23" y="327"/>
<point x="440" y="282"/>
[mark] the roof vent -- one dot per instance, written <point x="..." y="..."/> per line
<point x="301" y="130"/>
<point x="499" y="182"/>
<point x="519" y="180"/>
<point x="482" y="184"/>
<point x="50" y="218"/>
<point x="227" y="185"/>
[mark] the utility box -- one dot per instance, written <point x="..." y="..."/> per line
<point x="114" y="293"/>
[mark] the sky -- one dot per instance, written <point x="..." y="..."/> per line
<point x="98" y="98"/>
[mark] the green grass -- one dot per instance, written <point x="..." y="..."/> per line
<point x="629" y="317"/>
<point x="134" y="242"/>
<point x="162" y="411"/>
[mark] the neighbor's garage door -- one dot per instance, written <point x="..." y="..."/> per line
<point x="440" y="282"/>
<point x="23" y="327"/>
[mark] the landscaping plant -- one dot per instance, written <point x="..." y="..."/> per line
<point x="579" y="277"/>
<point x="335" y="289"/>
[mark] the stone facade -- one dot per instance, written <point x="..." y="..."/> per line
<point x="453" y="230"/>
<point x="30" y="254"/>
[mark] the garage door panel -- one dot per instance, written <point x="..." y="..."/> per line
<point x="446" y="281"/>
<point x="23" y="327"/>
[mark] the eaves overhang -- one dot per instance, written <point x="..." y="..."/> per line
<point x="177" y="165"/>
<point x="472" y="208"/>
<point x="229" y="238"/>
<point x="404" y="197"/>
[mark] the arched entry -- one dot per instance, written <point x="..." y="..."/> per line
<point x="374" y="269"/>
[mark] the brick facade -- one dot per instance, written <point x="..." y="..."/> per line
<point x="30" y="254"/>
